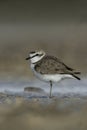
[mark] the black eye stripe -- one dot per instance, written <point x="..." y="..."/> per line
<point x="36" y="55"/>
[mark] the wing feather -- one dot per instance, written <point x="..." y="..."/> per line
<point x="52" y="65"/>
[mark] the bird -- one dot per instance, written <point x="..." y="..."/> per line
<point x="50" y="68"/>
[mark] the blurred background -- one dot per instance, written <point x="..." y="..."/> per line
<point x="57" y="27"/>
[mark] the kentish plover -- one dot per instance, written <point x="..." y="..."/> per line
<point x="49" y="68"/>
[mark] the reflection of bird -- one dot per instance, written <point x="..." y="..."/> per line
<point x="49" y="68"/>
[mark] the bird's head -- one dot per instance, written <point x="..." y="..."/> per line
<point x="35" y="56"/>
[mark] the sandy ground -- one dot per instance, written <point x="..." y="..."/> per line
<point x="36" y="113"/>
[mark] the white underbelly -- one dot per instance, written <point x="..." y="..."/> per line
<point x="52" y="77"/>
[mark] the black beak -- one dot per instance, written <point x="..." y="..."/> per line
<point x="28" y="58"/>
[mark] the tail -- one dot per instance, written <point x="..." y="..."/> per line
<point x="77" y="72"/>
<point x="75" y="76"/>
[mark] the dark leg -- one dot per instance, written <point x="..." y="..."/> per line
<point x="50" y="89"/>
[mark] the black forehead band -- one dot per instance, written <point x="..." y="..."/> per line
<point x="33" y="56"/>
<point x="36" y="55"/>
<point x="32" y="52"/>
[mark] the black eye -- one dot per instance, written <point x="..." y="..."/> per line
<point x="32" y="52"/>
<point x="39" y="54"/>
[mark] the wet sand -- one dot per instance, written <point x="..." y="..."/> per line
<point x="20" y="112"/>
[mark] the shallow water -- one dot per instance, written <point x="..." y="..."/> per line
<point x="66" y="87"/>
<point x="67" y="110"/>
